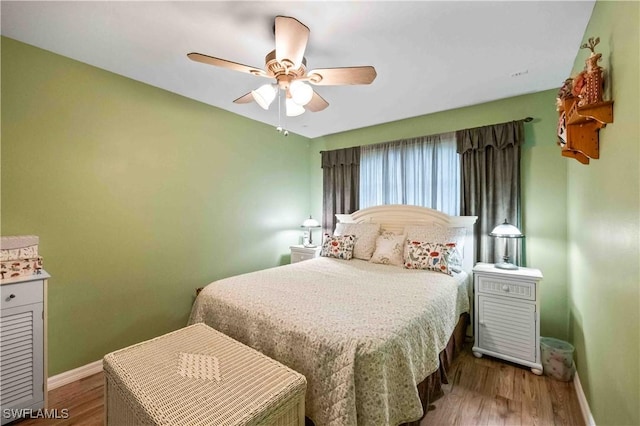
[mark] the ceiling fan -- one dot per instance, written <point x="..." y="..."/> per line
<point x="288" y="66"/>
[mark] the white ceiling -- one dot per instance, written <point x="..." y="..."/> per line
<point x="430" y="56"/>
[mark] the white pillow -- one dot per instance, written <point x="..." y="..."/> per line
<point x="365" y="233"/>
<point x="389" y="249"/>
<point x="437" y="234"/>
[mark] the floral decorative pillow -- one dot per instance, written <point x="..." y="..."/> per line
<point x="440" y="234"/>
<point x="365" y="233"/>
<point x="389" y="249"/>
<point x="426" y="255"/>
<point x="340" y="246"/>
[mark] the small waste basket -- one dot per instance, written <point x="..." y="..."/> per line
<point x="557" y="358"/>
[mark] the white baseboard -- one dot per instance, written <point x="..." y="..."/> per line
<point x="582" y="399"/>
<point x="74" y="375"/>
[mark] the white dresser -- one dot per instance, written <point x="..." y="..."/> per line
<point x="507" y="314"/>
<point x="23" y="343"/>
<point x="300" y="253"/>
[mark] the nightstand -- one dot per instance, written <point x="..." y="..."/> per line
<point x="507" y="314"/>
<point x="300" y="253"/>
<point x="23" y="341"/>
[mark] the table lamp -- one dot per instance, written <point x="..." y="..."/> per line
<point x="310" y="224"/>
<point x="506" y="230"/>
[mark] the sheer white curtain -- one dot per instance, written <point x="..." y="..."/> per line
<point x="421" y="171"/>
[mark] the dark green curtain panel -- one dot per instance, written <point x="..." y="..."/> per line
<point x="490" y="168"/>
<point x="340" y="183"/>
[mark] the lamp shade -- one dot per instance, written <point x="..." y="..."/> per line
<point x="264" y="95"/>
<point x="301" y="92"/>
<point x="310" y="223"/>
<point x="506" y="230"/>
<point x="293" y="109"/>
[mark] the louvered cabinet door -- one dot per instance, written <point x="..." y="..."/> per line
<point x="22" y="347"/>
<point x="507" y="314"/>
<point x="506" y="327"/>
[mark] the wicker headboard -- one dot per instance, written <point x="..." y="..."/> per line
<point x="394" y="217"/>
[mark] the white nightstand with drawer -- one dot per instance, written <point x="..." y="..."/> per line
<point x="507" y="314"/>
<point x="23" y="343"/>
<point x="300" y="253"/>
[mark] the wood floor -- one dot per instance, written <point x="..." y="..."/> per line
<point x="486" y="391"/>
<point x="481" y="391"/>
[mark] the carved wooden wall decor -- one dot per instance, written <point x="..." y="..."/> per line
<point x="582" y="112"/>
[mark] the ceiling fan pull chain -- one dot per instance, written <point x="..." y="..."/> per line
<point x="279" y="127"/>
<point x="285" y="131"/>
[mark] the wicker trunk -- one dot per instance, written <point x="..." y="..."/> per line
<point x="199" y="376"/>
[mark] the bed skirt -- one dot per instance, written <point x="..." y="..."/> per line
<point x="430" y="389"/>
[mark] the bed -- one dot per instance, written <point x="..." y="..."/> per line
<point x="371" y="339"/>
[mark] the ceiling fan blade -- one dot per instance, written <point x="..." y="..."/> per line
<point x="244" y="99"/>
<point x="223" y="63"/>
<point x="342" y="76"/>
<point x="317" y="103"/>
<point x="291" y="40"/>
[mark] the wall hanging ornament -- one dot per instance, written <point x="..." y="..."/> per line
<point x="582" y="112"/>
<point x="591" y="91"/>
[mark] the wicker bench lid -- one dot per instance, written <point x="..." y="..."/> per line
<point x="197" y="375"/>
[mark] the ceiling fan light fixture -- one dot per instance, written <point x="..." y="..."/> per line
<point x="293" y="109"/>
<point x="301" y="92"/>
<point x="264" y="95"/>
<point x="288" y="66"/>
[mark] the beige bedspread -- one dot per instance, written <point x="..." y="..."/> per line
<point x="363" y="334"/>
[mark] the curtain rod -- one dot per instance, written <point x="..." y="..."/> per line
<point x="526" y="120"/>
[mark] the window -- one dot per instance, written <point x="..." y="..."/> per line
<point x="422" y="171"/>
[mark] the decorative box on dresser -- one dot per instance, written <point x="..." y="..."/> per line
<point x="23" y="344"/>
<point x="507" y="314"/>
<point x="300" y="253"/>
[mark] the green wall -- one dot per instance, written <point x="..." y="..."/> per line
<point x="136" y="192"/>
<point x="544" y="190"/>
<point x="138" y="195"/>
<point x="604" y="228"/>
